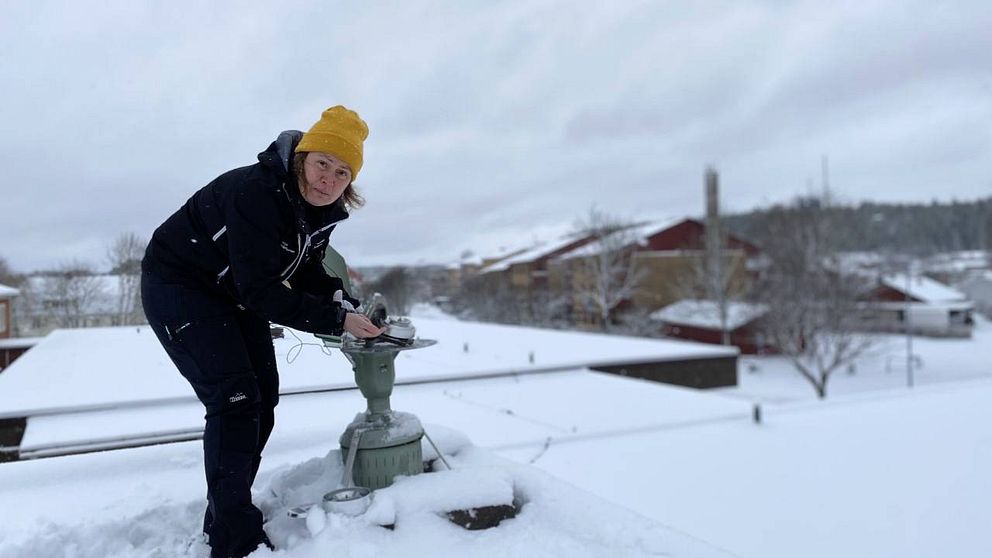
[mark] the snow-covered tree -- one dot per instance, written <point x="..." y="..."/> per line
<point x="813" y="310"/>
<point x="68" y="292"/>
<point x="124" y="255"/>
<point x="606" y="276"/>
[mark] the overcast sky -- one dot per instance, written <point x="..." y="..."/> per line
<point x="492" y="124"/>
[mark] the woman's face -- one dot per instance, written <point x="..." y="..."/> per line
<point x="326" y="178"/>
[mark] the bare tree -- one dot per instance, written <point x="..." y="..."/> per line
<point x="486" y="298"/>
<point x="69" y="292"/>
<point x="124" y="256"/>
<point x="397" y="286"/>
<point x="548" y="307"/>
<point x="607" y="276"/>
<point x="7" y="275"/>
<point x="813" y="314"/>
<point x="637" y="321"/>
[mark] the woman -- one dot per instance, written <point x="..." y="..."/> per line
<point x="246" y="250"/>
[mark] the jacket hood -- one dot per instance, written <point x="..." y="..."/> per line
<point x="280" y="152"/>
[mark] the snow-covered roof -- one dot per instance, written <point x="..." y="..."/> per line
<point x="648" y="447"/>
<point x="660" y="451"/>
<point x="541" y="250"/>
<point x="19" y="342"/>
<point x="706" y="314"/>
<point x="7" y="292"/>
<point x="71" y="367"/>
<point x="922" y="288"/>
<point x="110" y="491"/>
<point x="638" y="234"/>
<point x="302" y="461"/>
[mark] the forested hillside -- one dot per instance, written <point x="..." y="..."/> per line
<point x="919" y="229"/>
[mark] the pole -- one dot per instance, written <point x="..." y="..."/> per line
<point x="909" y="330"/>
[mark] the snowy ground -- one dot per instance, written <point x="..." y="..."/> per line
<point x="875" y="470"/>
<point x="882" y="368"/>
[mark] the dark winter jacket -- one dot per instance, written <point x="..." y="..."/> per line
<point x="251" y="236"/>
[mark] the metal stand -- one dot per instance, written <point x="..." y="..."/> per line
<point x="389" y="444"/>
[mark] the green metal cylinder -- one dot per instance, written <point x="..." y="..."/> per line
<point x="375" y="375"/>
<point x="376" y="468"/>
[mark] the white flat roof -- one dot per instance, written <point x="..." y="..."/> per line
<point x="706" y="314"/>
<point x="19" y="342"/>
<point x="117" y="365"/>
<point x="494" y="412"/>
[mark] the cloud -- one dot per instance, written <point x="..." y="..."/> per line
<point x="490" y="122"/>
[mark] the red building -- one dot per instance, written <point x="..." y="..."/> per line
<point x="699" y="320"/>
<point x="690" y="234"/>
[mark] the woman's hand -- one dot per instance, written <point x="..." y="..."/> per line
<point x="360" y="326"/>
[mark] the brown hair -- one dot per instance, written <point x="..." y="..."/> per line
<point x="350" y="197"/>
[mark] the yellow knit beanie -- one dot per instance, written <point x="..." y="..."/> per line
<point x="339" y="132"/>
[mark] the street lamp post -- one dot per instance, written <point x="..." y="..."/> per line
<point x="909" y="329"/>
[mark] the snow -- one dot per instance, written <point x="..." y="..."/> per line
<point x="875" y="470"/>
<point x="531" y="254"/>
<point x="505" y="412"/>
<point x="72" y="368"/>
<point x="156" y="509"/>
<point x="936" y="362"/>
<point x="639" y="234"/>
<point x="923" y="288"/>
<point x="884" y="477"/>
<point x="706" y="314"/>
<point x="19" y="342"/>
<point x="8" y="292"/>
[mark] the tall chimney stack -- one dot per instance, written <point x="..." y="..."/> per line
<point x="713" y="247"/>
<point x="715" y="280"/>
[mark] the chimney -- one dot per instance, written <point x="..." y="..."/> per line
<point x="713" y="247"/>
<point x="715" y="280"/>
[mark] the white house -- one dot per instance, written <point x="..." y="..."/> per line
<point x="921" y="305"/>
<point x="978" y="287"/>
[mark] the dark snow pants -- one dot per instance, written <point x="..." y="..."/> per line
<point x="226" y="354"/>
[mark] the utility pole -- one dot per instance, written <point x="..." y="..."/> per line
<point x="825" y="177"/>
<point x="909" y="328"/>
